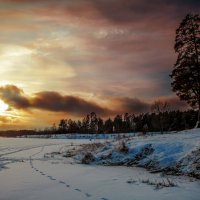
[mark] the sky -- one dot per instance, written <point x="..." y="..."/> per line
<point x="64" y="59"/>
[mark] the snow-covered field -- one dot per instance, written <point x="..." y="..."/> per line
<point x="32" y="168"/>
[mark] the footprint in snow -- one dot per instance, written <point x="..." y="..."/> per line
<point x="62" y="182"/>
<point x="77" y="190"/>
<point x="67" y="185"/>
<point x="88" y="195"/>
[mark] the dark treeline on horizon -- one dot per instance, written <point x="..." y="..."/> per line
<point x="126" y="123"/>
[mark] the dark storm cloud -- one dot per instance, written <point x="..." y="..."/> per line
<point x="117" y="11"/>
<point x="131" y="105"/>
<point x="50" y="101"/>
<point x="137" y="106"/>
<point x="75" y="106"/>
<point x="126" y="11"/>
<point x="54" y="101"/>
<point x="14" y="96"/>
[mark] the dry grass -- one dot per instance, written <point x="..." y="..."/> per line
<point x="157" y="184"/>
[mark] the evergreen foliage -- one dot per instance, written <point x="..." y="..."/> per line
<point x="186" y="73"/>
<point x="149" y="122"/>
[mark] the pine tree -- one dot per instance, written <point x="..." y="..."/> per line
<point x="93" y="122"/>
<point x="118" y="123"/>
<point x="100" y="125"/>
<point x="108" y="126"/>
<point x="63" y="125"/>
<point x="186" y="73"/>
<point x="159" y="108"/>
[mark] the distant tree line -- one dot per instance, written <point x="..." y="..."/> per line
<point x="15" y="133"/>
<point x="161" y="120"/>
<point x="148" y="122"/>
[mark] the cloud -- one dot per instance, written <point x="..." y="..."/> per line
<point x="175" y="103"/>
<point x="115" y="10"/>
<point x="50" y="101"/>
<point x="120" y="11"/>
<point x="4" y="120"/>
<point x="14" y="96"/>
<point x="130" y="105"/>
<point x="49" y="106"/>
<point x="137" y="106"/>
<point x="10" y="122"/>
<point x="53" y="101"/>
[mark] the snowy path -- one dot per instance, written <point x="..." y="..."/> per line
<point x="25" y="174"/>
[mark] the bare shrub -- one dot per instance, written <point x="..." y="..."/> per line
<point x="160" y="184"/>
<point x="123" y="147"/>
<point x="157" y="184"/>
<point x="87" y="158"/>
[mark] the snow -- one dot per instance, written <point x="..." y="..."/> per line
<point x="32" y="168"/>
<point x="81" y="136"/>
<point x="155" y="152"/>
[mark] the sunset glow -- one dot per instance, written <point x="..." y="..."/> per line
<point x="3" y="107"/>
<point x="70" y="58"/>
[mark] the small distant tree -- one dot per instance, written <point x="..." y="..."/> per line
<point x="145" y="129"/>
<point x="79" y="125"/>
<point x="186" y="73"/>
<point x="100" y="125"/>
<point x="118" y="123"/>
<point x="127" y="122"/>
<point x="108" y="126"/>
<point x="72" y="126"/>
<point x="62" y="125"/>
<point x="86" y="124"/>
<point x="93" y="122"/>
<point x="159" y="108"/>
<point x="132" y="123"/>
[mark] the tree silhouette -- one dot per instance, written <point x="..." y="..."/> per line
<point x="159" y="108"/>
<point x="186" y="73"/>
<point x="63" y="125"/>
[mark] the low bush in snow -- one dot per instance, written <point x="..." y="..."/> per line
<point x="87" y="158"/>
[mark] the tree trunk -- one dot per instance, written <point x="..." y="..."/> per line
<point x="198" y="120"/>
<point x="198" y="78"/>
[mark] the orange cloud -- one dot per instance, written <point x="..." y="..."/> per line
<point x="55" y="102"/>
<point x="14" y="96"/>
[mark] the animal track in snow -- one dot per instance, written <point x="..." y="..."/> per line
<point x="59" y="181"/>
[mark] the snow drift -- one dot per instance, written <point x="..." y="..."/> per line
<point x="175" y="153"/>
